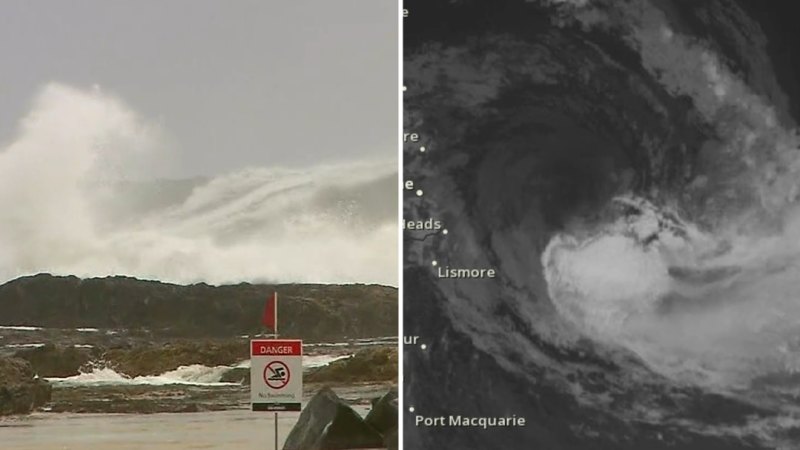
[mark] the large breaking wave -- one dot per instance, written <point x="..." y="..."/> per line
<point x="81" y="194"/>
<point x="195" y="374"/>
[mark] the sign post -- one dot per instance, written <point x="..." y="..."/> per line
<point x="276" y="376"/>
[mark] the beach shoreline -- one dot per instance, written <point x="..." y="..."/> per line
<point x="238" y="429"/>
<point x="235" y="429"/>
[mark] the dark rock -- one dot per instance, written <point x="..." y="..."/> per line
<point x="148" y="359"/>
<point x="157" y="359"/>
<point x="315" y="312"/>
<point x="348" y="430"/>
<point x="383" y="416"/>
<point x="54" y="361"/>
<point x="390" y="440"/>
<point x="370" y="364"/>
<point x="237" y="375"/>
<point x="20" y="391"/>
<point x="328" y="423"/>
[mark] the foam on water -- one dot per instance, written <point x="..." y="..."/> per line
<point x="19" y="328"/>
<point x="312" y="361"/>
<point x="29" y="345"/>
<point x="195" y="374"/>
<point x="309" y="361"/>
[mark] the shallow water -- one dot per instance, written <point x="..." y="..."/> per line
<point x="230" y="430"/>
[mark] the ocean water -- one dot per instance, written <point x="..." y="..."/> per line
<point x="238" y="429"/>
<point x="233" y="430"/>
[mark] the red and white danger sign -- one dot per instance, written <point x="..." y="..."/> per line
<point x="276" y="374"/>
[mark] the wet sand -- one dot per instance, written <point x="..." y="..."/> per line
<point x="229" y="430"/>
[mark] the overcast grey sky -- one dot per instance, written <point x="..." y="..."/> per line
<point x="233" y="83"/>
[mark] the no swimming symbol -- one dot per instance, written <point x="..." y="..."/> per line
<point x="276" y="374"/>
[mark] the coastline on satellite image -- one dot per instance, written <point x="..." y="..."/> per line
<point x="601" y="225"/>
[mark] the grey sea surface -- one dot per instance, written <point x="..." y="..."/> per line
<point x="234" y="429"/>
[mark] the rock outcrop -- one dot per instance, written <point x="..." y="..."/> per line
<point x="375" y="364"/>
<point x="315" y="312"/>
<point x="20" y="390"/>
<point x="371" y="364"/>
<point x="383" y="415"/>
<point x="237" y="375"/>
<point x="157" y="359"/>
<point x="57" y="361"/>
<point x="133" y="361"/>
<point x="328" y="423"/>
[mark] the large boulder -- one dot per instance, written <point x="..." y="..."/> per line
<point x="20" y="390"/>
<point x="159" y="358"/>
<point x="328" y="423"/>
<point x="149" y="359"/>
<point x="383" y="415"/>
<point x="390" y="440"/>
<point x="239" y="375"/>
<point x="54" y="361"/>
<point x="370" y="364"/>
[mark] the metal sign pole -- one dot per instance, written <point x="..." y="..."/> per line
<point x="276" y="337"/>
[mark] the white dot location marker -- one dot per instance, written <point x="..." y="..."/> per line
<point x="419" y="192"/>
<point x="423" y="346"/>
<point x="410" y="409"/>
<point x="422" y="149"/>
<point x="434" y="263"/>
<point x="405" y="88"/>
<point x="444" y="231"/>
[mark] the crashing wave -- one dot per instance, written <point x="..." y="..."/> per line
<point x="195" y="374"/>
<point x="88" y="211"/>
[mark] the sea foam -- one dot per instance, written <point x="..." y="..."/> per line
<point x="80" y="187"/>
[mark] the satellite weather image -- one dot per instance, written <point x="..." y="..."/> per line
<point x="602" y="226"/>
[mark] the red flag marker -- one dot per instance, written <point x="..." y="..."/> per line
<point x="270" y="319"/>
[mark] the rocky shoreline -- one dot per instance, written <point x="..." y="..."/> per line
<point x="147" y="310"/>
<point x="368" y="365"/>
<point x="133" y="380"/>
<point x="375" y="363"/>
<point x="120" y="345"/>
<point x="21" y="391"/>
<point x="52" y="360"/>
